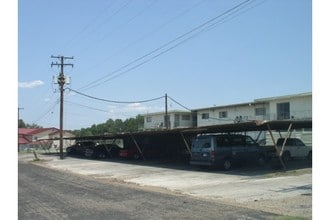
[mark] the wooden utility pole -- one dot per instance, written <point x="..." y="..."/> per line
<point x="18" y="126"/>
<point x="166" y="113"/>
<point x="18" y="113"/>
<point x="61" y="80"/>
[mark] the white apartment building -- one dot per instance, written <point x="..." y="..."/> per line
<point x="298" y="106"/>
<point x="294" y="107"/>
<point x="177" y="119"/>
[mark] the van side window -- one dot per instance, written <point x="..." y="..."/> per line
<point x="238" y="141"/>
<point x="222" y="141"/>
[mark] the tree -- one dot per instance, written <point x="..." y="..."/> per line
<point x="21" y="124"/>
<point x="112" y="126"/>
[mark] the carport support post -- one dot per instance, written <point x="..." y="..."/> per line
<point x="258" y="135"/>
<point x="185" y="142"/>
<point x="277" y="151"/>
<point x="286" y="138"/>
<point x="137" y="146"/>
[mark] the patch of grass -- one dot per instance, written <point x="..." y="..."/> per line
<point x="290" y="218"/>
<point x="288" y="173"/>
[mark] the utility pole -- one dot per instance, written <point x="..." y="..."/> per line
<point x="166" y="113"/>
<point x="18" y="113"/>
<point x="18" y="126"/>
<point x="61" y="80"/>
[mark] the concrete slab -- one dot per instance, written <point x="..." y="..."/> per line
<point x="242" y="188"/>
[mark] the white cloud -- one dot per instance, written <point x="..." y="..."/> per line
<point x="30" y="85"/>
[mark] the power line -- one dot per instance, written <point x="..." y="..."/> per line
<point x="85" y="106"/>
<point x="202" y="26"/>
<point x="125" y="5"/>
<point x="48" y="111"/>
<point x="148" y="34"/>
<point x="84" y="29"/>
<point x="128" y="21"/>
<point x="179" y="103"/>
<point x="207" y="28"/>
<point x="112" y="101"/>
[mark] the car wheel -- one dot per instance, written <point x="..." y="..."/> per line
<point x="136" y="156"/>
<point x="227" y="164"/>
<point x="70" y="151"/>
<point x="101" y="155"/>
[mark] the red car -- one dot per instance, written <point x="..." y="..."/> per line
<point x="134" y="153"/>
<point x="130" y="153"/>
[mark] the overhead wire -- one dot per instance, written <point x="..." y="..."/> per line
<point x="150" y="33"/>
<point x="122" y="102"/>
<point x="113" y="101"/>
<point x="85" y="28"/>
<point x="179" y="103"/>
<point x="85" y="106"/>
<point x="48" y="111"/>
<point x="128" y="21"/>
<point x="125" y="5"/>
<point x="197" y="28"/>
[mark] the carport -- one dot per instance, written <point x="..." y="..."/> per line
<point x="175" y="140"/>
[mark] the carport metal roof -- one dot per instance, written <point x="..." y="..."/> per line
<point x="256" y="125"/>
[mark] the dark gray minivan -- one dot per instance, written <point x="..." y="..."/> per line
<point x="224" y="150"/>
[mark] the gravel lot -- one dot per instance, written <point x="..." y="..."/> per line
<point x="288" y="193"/>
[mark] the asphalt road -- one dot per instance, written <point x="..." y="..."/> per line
<point x="49" y="194"/>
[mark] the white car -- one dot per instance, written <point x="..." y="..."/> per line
<point x="294" y="148"/>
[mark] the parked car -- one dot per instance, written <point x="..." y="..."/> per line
<point x="294" y="148"/>
<point x="130" y="153"/>
<point x="148" y="153"/>
<point x="80" y="147"/>
<point x="102" y="151"/>
<point x="226" y="150"/>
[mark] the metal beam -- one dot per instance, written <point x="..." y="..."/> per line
<point x="276" y="148"/>
<point x="288" y="134"/>
<point x="186" y="143"/>
<point x="137" y="146"/>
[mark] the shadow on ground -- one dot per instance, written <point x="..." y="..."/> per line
<point x="247" y="169"/>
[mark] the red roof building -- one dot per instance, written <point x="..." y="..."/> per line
<point x="37" y="138"/>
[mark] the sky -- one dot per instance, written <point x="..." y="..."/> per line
<point x="200" y="53"/>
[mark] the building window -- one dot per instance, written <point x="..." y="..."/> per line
<point x="283" y="111"/>
<point x="205" y="116"/>
<point x="185" y="117"/>
<point x="260" y="111"/>
<point x="149" y="119"/>
<point x="223" y="114"/>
